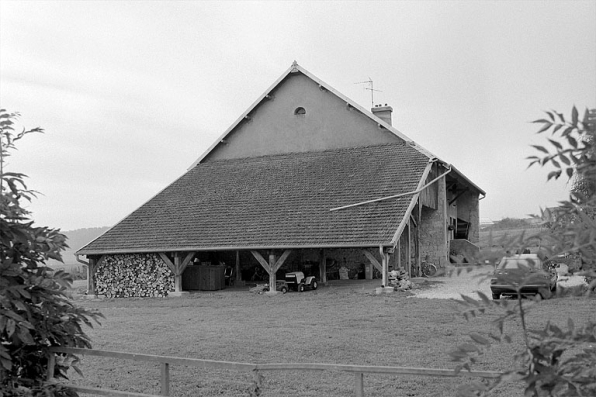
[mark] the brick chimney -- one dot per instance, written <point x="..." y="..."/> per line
<point x="383" y="112"/>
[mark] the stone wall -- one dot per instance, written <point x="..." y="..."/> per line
<point x="433" y="230"/>
<point x="468" y="210"/>
<point x="133" y="275"/>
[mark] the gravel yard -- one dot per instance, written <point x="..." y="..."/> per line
<point x="467" y="283"/>
<point x="454" y="285"/>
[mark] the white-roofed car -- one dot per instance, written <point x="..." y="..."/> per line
<point x="526" y="273"/>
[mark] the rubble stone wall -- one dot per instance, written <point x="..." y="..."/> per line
<point x="433" y="230"/>
<point x="133" y="275"/>
<point x="468" y="210"/>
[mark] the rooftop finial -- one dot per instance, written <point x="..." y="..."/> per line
<point x="294" y="66"/>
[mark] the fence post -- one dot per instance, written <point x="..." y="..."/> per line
<point x="165" y="379"/>
<point x="255" y="389"/>
<point x="359" y="387"/>
<point x="51" y="365"/>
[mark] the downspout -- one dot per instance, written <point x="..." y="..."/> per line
<point x="89" y="275"/>
<point x="384" y="266"/>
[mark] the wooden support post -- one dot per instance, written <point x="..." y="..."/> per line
<point x="272" y="277"/>
<point x="322" y="267"/>
<point x="182" y="267"/>
<point x="257" y="382"/>
<point x="408" y="248"/>
<point x="418" y="253"/>
<point x="177" y="268"/>
<point x="373" y="260"/>
<point x="384" y="266"/>
<point x="399" y="253"/>
<point x="238" y="273"/>
<point x="177" y="274"/>
<point x="165" y="379"/>
<point x="272" y="266"/>
<point x="91" y="276"/>
<point x="359" y="386"/>
<point x="51" y="365"/>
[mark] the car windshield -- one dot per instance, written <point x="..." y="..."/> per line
<point x="511" y="263"/>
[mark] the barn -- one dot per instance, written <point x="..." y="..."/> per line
<point x="305" y="179"/>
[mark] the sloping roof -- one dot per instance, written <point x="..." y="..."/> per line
<point x="277" y="201"/>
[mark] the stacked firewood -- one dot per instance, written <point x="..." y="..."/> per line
<point x="400" y="280"/>
<point x="134" y="275"/>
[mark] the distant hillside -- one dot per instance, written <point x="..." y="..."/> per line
<point x="76" y="240"/>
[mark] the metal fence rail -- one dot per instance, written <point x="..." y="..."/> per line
<point x="256" y="369"/>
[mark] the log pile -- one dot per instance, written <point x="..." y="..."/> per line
<point x="399" y="280"/>
<point x="134" y="275"/>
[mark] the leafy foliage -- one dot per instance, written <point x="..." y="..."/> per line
<point x="35" y="310"/>
<point x="554" y="361"/>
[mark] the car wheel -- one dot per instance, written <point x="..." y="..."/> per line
<point x="301" y="288"/>
<point x="496" y="296"/>
<point x="314" y="285"/>
<point x="284" y="290"/>
<point x="538" y="297"/>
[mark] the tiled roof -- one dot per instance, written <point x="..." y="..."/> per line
<point x="279" y="201"/>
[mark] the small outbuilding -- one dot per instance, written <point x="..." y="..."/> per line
<point x="305" y="179"/>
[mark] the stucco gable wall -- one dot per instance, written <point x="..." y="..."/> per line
<point x="273" y="128"/>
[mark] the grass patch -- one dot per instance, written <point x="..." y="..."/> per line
<point x="344" y="325"/>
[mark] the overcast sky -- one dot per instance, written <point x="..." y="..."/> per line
<point x="131" y="93"/>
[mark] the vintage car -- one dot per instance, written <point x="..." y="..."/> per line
<point x="525" y="272"/>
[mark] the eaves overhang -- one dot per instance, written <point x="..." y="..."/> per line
<point x="467" y="180"/>
<point x="191" y="248"/>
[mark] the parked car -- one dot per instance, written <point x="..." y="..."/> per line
<point x="535" y="277"/>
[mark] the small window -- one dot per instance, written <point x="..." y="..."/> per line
<point x="300" y="111"/>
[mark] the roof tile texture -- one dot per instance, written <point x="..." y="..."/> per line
<point x="278" y="201"/>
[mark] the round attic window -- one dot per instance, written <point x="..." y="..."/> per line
<point x="300" y="111"/>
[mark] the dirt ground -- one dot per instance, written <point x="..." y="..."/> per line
<point x="345" y="322"/>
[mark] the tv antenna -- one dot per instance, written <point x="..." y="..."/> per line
<point x="371" y="89"/>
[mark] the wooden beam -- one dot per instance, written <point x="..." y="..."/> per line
<point x="261" y="260"/>
<point x="91" y="268"/>
<point x="359" y="384"/>
<point x="453" y="200"/>
<point x="272" y="266"/>
<point x="168" y="262"/>
<point x="177" y="274"/>
<point x="399" y="253"/>
<point x="373" y="260"/>
<point x="279" y="263"/>
<point x="384" y="265"/>
<point x="165" y="379"/>
<point x="418" y="253"/>
<point x="413" y="220"/>
<point x="238" y="272"/>
<point x="322" y="266"/>
<point x="272" y="277"/>
<point x="409" y="248"/>
<point x="186" y="262"/>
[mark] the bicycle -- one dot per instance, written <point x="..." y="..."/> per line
<point x="426" y="269"/>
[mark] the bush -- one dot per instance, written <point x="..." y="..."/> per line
<point x="35" y="310"/>
<point x="554" y="361"/>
